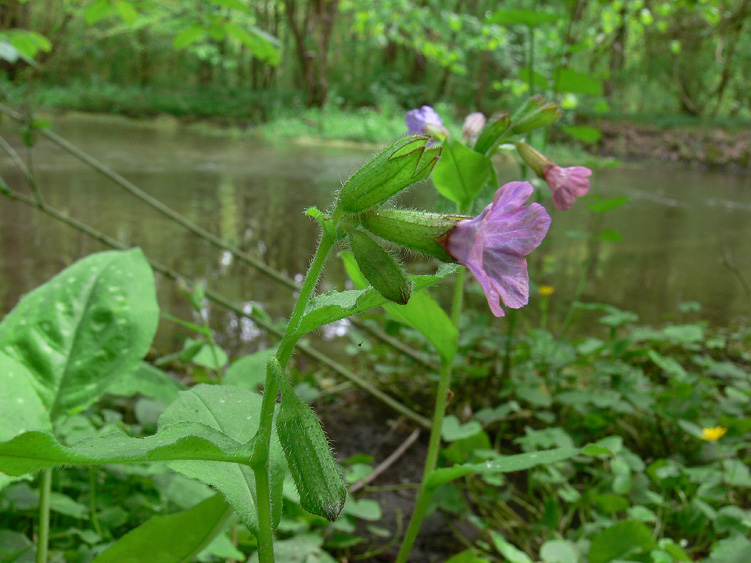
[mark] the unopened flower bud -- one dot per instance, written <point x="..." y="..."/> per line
<point x="534" y="159"/>
<point x="379" y="268"/>
<point x="402" y="164"/>
<point x="492" y="135"/>
<point x="415" y="230"/>
<point x="473" y="124"/>
<point x="566" y="184"/>
<point x="535" y="113"/>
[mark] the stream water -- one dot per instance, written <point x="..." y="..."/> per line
<point x="686" y="232"/>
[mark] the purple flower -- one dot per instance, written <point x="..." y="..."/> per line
<point x="566" y="184"/>
<point x="493" y="245"/>
<point x="424" y="120"/>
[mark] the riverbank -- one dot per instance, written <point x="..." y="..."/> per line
<point x="708" y="145"/>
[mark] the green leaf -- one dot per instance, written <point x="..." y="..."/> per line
<point x="510" y="552"/>
<point x="337" y="305"/>
<point x="176" y="538"/>
<point x="85" y="328"/>
<point x="583" y="133"/>
<point x="735" y="549"/>
<point x="529" y="18"/>
<point x="467" y="556"/>
<point x="568" y="80"/>
<point x="421" y="313"/>
<point x="148" y="381"/>
<point x="453" y="430"/>
<point x="21" y="409"/>
<point x="559" y="551"/>
<point x="365" y="509"/>
<point x="461" y="173"/>
<point x="492" y="134"/>
<point x="97" y="11"/>
<point x="126" y="11"/>
<point x="249" y="371"/>
<point x="32" y="451"/>
<point x="233" y="412"/>
<point x="624" y="539"/>
<point x="500" y="464"/>
<point x="188" y="36"/>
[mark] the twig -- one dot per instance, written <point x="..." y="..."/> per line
<point x="386" y="463"/>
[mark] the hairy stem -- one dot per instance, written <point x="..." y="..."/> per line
<point x="260" y="459"/>
<point x="45" y="490"/>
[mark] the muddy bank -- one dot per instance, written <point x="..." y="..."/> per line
<point x="712" y="146"/>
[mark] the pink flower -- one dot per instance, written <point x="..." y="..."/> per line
<point x="493" y="245"/>
<point x="566" y="184"/>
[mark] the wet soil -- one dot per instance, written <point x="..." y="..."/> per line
<point x="359" y="424"/>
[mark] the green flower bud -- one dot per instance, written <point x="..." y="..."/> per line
<point x="402" y="164"/>
<point x="535" y="113"/>
<point x="314" y="470"/>
<point x="415" y="230"/>
<point x="493" y="134"/>
<point x="536" y="160"/>
<point x="379" y="268"/>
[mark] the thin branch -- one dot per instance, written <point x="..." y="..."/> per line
<point x="386" y="463"/>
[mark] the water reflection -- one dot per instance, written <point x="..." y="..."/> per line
<point x="676" y="230"/>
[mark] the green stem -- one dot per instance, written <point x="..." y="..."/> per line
<point x="92" y="502"/>
<point x="567" y="320"/>
<point x="509" y="341"/>
<point x="44" y="516"/>
<point x="260" y="458"/>
<point x="434" y="445"/>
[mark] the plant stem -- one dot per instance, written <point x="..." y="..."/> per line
<point x="260" y="458"/>
<point x="434" y="445"/>
<point x="586" y="265"/>
<point x="92" y="501"/>
<point x="45" y="489"/>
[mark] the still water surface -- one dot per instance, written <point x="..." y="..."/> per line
<point x="677" y="228"/>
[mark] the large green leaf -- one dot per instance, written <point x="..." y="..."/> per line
<point x="337" y="305"/>
<point x="175" y="538"/>
<point x="149" y="381"/>
<point x="87" y="326"/>
<point x="501" y="464"/>
<point x="34" y="450"/>
<point x="21" y="409"/>
<point x="461" y="173"/>
<point x="421" y="313"/>
<point x="233" y="412"/>
<point x="624" y="539"/>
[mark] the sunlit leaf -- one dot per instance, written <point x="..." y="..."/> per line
<point x="568" y="80"/>
<point x="461" y="173"/>
<point x="97" y="11"/>
<point x="87" y="326"/>
<point x="188" y="36"/>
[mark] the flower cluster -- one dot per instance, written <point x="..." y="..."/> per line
<point x="494" y="244"/>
